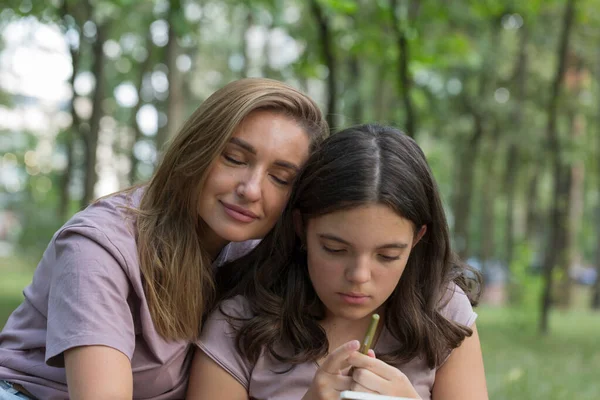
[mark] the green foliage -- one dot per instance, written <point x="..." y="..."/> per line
<point x="525" y="288"/>
<point x="341" y="6"/>
<point x="459" y="54"/>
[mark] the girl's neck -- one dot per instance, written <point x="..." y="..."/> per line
<point x="342" y="330"/>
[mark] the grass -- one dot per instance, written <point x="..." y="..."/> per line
<point x="519" y="363"/>
<point x="16" y="273"/>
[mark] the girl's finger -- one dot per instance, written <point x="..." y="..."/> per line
<point x="371" y="353"/>
<point x="369" y="380"/>
<point x="378" y="367"/>
<point x="357" y="387"/>
<point x="341" y="383"/>
<point x="337" y="360"/>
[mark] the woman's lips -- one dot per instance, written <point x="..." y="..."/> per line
<point x="238" y="213"/>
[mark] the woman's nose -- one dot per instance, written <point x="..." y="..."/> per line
<point x="249" y="187"/>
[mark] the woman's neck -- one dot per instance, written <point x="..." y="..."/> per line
<point x="210" y="241"/>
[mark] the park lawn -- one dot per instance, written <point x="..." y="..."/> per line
<point x="12" y="282"/>
<point x="519" y="364"/>
<point x="14" y="276"/>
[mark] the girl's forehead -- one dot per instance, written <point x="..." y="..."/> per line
<point x="372" y="222"/>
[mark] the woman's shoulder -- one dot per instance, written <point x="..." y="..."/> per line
<point x="235" y="250"/>
<point x="109" y="219"/>
<point x="102" y="234"/>
<point x="109" y="211"/>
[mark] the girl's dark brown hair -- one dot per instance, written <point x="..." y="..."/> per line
<point x="366" y="164"/>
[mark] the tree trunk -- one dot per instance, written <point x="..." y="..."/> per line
<point x="91" y="139"/>
<point x="144" y="68"/>
<point x="404" y="77"/>
<point x="327" y="54"/>
<point x="356" y="107"/>
<point x="488" y="196"/>
<point x="175" y="101"/>
<point x="464" y="192"/>
<point x="575" y="213"/>
<point x="532" y="227"/>
<point x="70" y="137"/>
<point x="380" y="103"/>
<point x="72" y="134"/>
<point x="575" y="190"/>
<point x="512" y="157"/>
<point x="553" y="252"/>
<point x="595" y="301"/>
<point x="245" y="55"/>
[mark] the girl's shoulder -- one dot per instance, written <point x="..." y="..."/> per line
<point x="456" y="306"/>
<point x="230" y="310"/>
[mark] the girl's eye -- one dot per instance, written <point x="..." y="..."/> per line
<point x="232" y="160"/>
<point x="331" y="250"/>
<point x="385" y="258"/>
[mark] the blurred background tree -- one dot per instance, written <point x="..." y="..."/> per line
<point x="503" y="96"/>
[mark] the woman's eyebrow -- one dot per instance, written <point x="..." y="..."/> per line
<point x="250" y="149"/>
<point x="243" y="144"/>
<point x="287" y="165"/>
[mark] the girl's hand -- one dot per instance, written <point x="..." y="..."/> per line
<point x="332" y="376"/>
<point x="375" y="376"/>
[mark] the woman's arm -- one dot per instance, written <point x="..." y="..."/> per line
<point x="98" y="372"/>
<point x="208" y="380"/>
<point x="462" y="376"/>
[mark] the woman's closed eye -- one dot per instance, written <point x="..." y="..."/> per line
<point x="233" y="159"/>
<point x="280" y="181"/>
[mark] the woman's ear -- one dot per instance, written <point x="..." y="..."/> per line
<point x="420" y="235"/>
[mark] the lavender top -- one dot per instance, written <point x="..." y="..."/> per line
<point x="87" y="290"/>
<point x="262" y="380"/>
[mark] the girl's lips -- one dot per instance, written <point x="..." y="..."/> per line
<point x="356" y="299"/>
<point x="238" y="214"/>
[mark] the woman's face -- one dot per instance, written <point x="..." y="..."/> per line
<point x="356" y="258"/>
<point x="248" y="185"/>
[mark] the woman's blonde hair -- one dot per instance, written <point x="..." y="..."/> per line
<point x="176" y="269"/>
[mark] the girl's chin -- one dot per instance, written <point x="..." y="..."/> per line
<point x="350" y="315"/>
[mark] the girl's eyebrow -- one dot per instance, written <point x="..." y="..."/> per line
<point x="333" y="237"/>
<point x="395" y="245"/>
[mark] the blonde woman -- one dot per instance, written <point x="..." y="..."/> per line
<point x="117" y="301"/>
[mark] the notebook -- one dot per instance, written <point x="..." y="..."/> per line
<point x="351" y="395"/>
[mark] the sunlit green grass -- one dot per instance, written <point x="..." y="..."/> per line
<point x="519" y="363"/>
<point x="15" y="274"/>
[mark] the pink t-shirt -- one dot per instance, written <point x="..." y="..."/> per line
<point x="262" y="380"/>
<point x="87" y="290"/>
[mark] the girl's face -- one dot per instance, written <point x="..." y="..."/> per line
<point x="248" y="186"/>
<point x="356" y="258"/>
